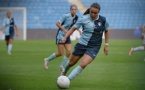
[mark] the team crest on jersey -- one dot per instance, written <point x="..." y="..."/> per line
<point x="95" y="26"/>
<point x="99" y="23"/>
<point x="74" y="21"/>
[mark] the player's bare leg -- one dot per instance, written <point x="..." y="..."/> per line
<point x="54" y="55"/>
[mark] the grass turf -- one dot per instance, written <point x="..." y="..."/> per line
<point x="23" y="70"/>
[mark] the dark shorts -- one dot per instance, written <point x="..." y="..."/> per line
<point x="8" y="37"/>
<point x="80" y="50"/>
<point x="68" y="41"/>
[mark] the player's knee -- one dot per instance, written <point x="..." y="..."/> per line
<point x="68" y="52"/>
<point x="10" y="41"/>
<point x="71" y="63"/>
<point x="83" y="64"/>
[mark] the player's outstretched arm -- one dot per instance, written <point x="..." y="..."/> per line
<point x="68" y="34"/>
<point x="60" y="26"/>
<point x="106" y="42"/>
<point x="17" y="32"/>
<point x="3" y="29"/>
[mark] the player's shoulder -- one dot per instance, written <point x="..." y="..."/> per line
<point x="66" y="15"/>
<point x="102" y="17"/>
<point x="85" y="17"/>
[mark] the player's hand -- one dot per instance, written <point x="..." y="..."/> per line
<point x="106" y="49"/>
<point x="142" y="37"/>
<point x="17" y="34"/>
<point x="63" y="40"/>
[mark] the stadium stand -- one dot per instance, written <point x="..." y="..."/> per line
<point x="43" y="14"/>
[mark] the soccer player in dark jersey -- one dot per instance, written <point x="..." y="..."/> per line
<point x="90" y="41"/>
<point x="9" y="27"/>
<point x="64" y="24"/>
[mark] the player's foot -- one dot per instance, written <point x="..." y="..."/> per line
<point x="131" y="51"/>
<point x="46" y="63"/>
<point x="9" y="53"/>
<point x="62" y="69"/>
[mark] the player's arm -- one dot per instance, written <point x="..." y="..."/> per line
<point x="3" y="29"/>
<point x="77" y="25"/>
<point x="17" y="32"/>
<point x="68" y="34"/>
<point x="60" y="26"/>
<point x="60" y="22"/>
<point x="106" y="42"/>
<point x="106" y="38"/>
<point x="80" y="32"/>
<point x="3" y="26"/>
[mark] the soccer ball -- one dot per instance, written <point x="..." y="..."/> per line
<point x="63" y="82"/>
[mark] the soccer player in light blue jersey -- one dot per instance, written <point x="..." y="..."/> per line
<point x="89" y="44"/>
<point x="139" y="48"/>
<point x="64" y="24"/>
<point x="9" y="27"/>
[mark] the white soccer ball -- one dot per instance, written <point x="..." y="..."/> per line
<point x="63" y="82"/>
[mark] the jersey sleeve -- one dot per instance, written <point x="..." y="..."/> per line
<point x="106" y="25"/>
<point x="62" y="19"/>
<point x="79" y="23"/>
<point x="15" y="22"/>
<point x="4" y="24"/>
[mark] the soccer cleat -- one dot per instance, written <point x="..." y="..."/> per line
<point x="62" y="69"/>
<point x="9" y="53"/>
<point x="46" y="63"/>
<point x="131" y="51"/>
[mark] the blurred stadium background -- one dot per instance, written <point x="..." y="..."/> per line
<point x="23" y="70"/>
<point x="125" y="16"/>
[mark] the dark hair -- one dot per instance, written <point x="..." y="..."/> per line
<point x="73" y="6"/>
<point x="94" y="5"/>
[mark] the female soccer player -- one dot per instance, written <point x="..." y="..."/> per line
<point x="64" y="24"/>
<point x="90" y="41"/>
<point x="139" y="48"/>
<point x="9" y="27"/>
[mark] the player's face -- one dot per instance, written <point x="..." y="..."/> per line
<point x="94" y="13"/>
<point x="8" y="14"/>
<point x="73" y="10"/>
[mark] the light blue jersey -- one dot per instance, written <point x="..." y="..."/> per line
<point x="92" y="30"/>
<point x="66" y="22"/>
<point x="7" y="24"/>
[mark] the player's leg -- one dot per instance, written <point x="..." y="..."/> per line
<point x="65" y="58"/>
<point x="10" y="45"/>
<point x="54" y="55"/>
<point x="140" y="48"/>
<point x="88" y="57"/>
<point x="7" y="40"/>
<point x="74" y="59"/>
<point x="85" y="61"/>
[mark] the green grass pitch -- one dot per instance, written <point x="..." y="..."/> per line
<point x="23" y="70"/>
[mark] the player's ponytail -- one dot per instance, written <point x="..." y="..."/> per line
<point x="87" y="11"/>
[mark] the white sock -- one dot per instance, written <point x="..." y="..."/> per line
<point x="75" y="72"/>
<point x="9" y="48"/>
<point x="140" y="48"/>
<point x="64" y="62"/>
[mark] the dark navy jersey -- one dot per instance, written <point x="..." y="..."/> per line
<point x="92" y="30"/>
